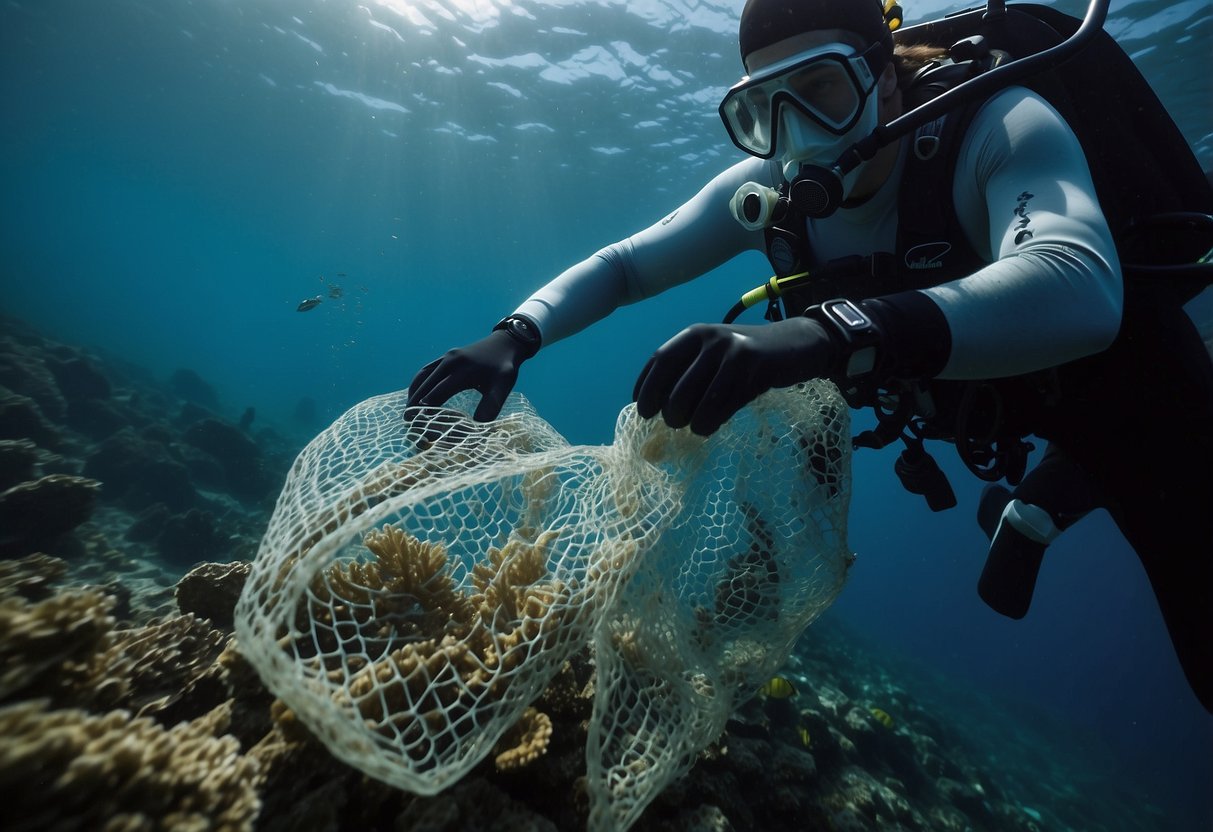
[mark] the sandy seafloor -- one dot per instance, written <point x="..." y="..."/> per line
<point x="124" y="703"/>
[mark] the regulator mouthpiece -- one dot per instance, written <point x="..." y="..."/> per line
<point x="816" y="191"/>
<point x="756" y="206"/>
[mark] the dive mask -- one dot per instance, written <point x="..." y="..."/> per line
<point x="828" y="84"/>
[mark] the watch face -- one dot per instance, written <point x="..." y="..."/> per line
<point x="849" y="315"/>
<point x="523" y="330"/>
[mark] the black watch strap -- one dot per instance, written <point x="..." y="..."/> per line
<point x="523" y="330"/>
<point x="856" y="333"/>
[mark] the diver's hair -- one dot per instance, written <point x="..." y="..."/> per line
<point x="911" y="57"/>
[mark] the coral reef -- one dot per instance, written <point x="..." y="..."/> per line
<point x="47" y="643"/>
<point x="386" y="629"/>
<point x="71" y="769"/>
<point x="30" y="577"/>
<point x="126" y="704"/>
<point x="75" y="685"/>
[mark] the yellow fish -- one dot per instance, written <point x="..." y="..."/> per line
<point x="777" y="688"/>
<point x="882" y="717"/>
<point x="804" y="735"/>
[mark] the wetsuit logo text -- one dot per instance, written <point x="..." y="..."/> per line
<point x="927" y="255"/>
<point x="1021" y="210"/>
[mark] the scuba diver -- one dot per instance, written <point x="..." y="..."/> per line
<point x="959" y="275"/>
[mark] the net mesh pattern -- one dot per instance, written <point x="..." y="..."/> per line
<point x="425" y="576"/>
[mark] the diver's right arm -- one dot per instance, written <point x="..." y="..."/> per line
<point x="694" y="239"/>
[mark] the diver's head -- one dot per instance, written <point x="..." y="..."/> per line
<point x="765" y="23"/>
<point x="819" y="77"/>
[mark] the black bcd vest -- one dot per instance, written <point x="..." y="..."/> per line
<point x="1148" y="172"/>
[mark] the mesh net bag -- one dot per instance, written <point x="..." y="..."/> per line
<point x="756" y="551"/>
<point x="424" y="577"/>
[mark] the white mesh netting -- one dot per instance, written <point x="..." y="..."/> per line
<point x="422" y="580"/>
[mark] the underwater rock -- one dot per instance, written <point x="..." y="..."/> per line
<point x="188" y="385"/>
<point x="969" y="798"/>
<point x="96" y="418"/>
<point x="235" y="452"/>
<point x="205" y="471"/>
<point x="17" y="460"/>
<point x="78" y="378"/>
<point x="848" y="820"/>
<point x="190" y="413"/>
<point x="225" y="442"/>
<point x="472" y="804"/>
<point x="211" y="590"/>
<point x="22" y="418"/>
<point x="35" y="514"/>
<point x="23" y="371"/>
<point x="189" y="538"/>
<point x="139" y="473"/>
<point x="949" y="819"/>
<point x="148" y="524"/>
<point x="704" y="819"/>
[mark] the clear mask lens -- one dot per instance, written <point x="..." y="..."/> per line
<point x="828" y="87"/>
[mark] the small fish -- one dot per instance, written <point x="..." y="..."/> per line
<point x="803" y="733"/>
<point x="334" y="291"/>
<point x="777" y="688"/>
<point x="882" y="717"/>
<point x="310" y="303"/>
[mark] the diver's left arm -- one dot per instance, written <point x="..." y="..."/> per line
<point x="1052" y="292"/>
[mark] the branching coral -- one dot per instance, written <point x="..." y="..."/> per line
<point x="418" y="656"/>
<point x="150" y="669"/>
<point x="45" y="641"/>
<point x="59" y="768"/>
<point x="405" y="594"/>
<point x="30" y="577"/>
<point x="65" y="648"/>
<point x="525" y="742"/>
<point x="509" y="580"/>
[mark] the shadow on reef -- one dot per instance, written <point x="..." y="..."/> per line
<point x="125" y="703"/>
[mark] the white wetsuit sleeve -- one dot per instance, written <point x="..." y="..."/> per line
<point x="692" y="240"/>
<point x="1052" y="292"/>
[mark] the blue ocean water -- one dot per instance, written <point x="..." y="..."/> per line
<point x="178" y="176"/>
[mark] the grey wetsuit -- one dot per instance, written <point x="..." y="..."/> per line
<point x="1045" y="298"/>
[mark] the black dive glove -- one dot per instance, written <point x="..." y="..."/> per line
<point x="489" y="366"/>
<point x="708" y="372"/>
